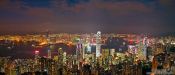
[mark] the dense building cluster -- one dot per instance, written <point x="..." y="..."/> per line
<point x="87" y="54"/>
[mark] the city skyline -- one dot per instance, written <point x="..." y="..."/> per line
<point x="87" y="16"/>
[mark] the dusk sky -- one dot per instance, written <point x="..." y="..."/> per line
<point x="87" y="16"/>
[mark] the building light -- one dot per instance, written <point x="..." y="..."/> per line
<point x="36" y="52"/>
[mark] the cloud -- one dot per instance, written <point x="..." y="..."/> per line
<point x="98" y="6"/>
<point x="112" y="14"/>
<point x="39" y="12"/>
<point x="19" y="7"/>
<point x="168" y="5"/>
<point x="167" y="2"/>
<point x="91" y="7"/>
<point x="4" y="3"/>
<point x="10" y="6"/>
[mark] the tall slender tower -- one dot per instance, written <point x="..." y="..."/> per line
<point x="49" y="44"/>
<point x="145" y="47"/>
<point x="79" y="50"/>
<point x="98" y="44"/>
<point x="36" y="56"/>
<point x="49" y="49"/>
<point x="52" y="41"/>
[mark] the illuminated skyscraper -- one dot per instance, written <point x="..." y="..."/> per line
<point x="49" y="50"/>
<point x="49" y="44"/>
<point x="88" y="48"/>
<point x="36" y="56"/>
<point x="98" y="44"/>
<point x="51" y="41"/>
<point x="49" y="53"/>
<point x="145" y="47"/>
<point x="79" y="51"/>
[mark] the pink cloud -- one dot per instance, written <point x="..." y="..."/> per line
<point x="39" y="12"/>
<point x="115" y="8"/>
<point x="10" y="6"/>
<point x="4" y="3"/>
<point x="16" y="7"/>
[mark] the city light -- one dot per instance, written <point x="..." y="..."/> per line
<point x="85" y="52"/>
<point x="36" y="52"/>
<point x="87" y="37"/>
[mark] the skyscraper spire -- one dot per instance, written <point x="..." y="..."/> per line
<point x="98" y="44"/>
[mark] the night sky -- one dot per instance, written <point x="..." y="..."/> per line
<point x="87" y="16"/>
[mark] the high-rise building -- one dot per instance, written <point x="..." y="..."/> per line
<point x="48" y="41"/>
<point x="145" y="47"/>
<point x="98" y="44"/>
<point x="51" y="41"/>
<point x="79" y="50"/>
<point x="36" y="56"/>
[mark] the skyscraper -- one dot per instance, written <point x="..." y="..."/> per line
<point x="98" y="44"/>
